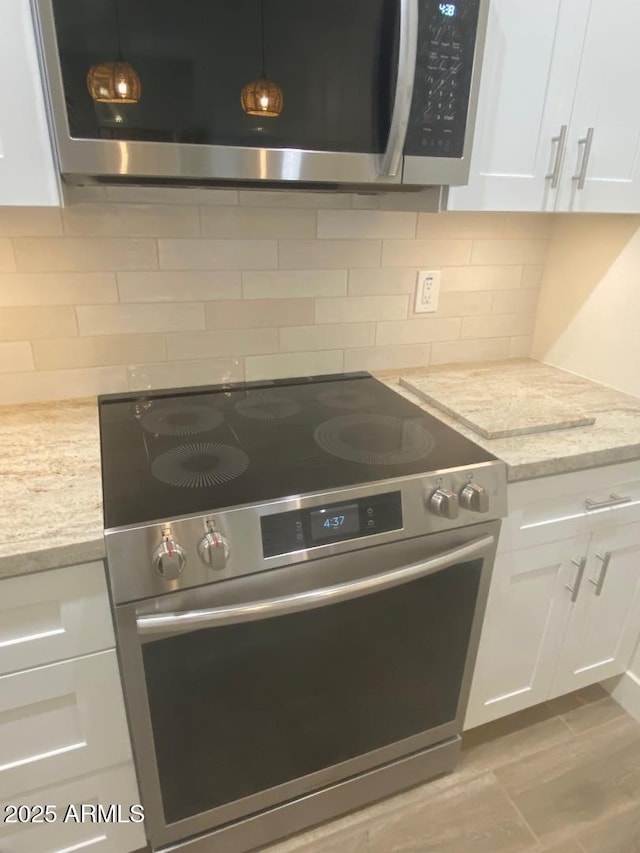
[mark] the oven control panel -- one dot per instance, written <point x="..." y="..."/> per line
<point x="297" y="530"/>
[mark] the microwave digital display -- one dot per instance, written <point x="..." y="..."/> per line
<point x="448" y="9"/>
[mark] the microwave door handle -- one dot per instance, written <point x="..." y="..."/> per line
<point x="169" y="624"/>
<point x="407" y="53"/>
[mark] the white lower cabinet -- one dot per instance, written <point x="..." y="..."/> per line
<point x="64" y="738"/>
<point x="564" y="604"/>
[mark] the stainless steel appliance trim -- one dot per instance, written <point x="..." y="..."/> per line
<point x="587" y="141"/>
<point x="561" y="141"/>
<point x="612" y="500"/>
<point x="606" y="559"/>
<point x="179" y="623"/>
<point x="575" y="589"/>
<point x="452" y="170"/>
<point x="241" y="589"/>
<point x="345" y="796"/>
<point x="407" y="53"/>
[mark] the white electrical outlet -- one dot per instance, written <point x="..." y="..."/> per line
<point x="427" y="291"/>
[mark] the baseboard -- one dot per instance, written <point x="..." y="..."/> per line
<point x="625" y="689"/>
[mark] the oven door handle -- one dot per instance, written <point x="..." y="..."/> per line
<point x="193" y="620"/>
<point x="407" y="54"/>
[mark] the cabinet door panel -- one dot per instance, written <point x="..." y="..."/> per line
<point x="607" y="100"/>
<point x="603" y="629"/>
<point x="61" y="721"/>
<point x="523" y="627"/>
<point x="528" y="81"/>
<point x="116" y="785"/>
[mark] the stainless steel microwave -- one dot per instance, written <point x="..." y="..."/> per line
<point x="375" y="93"/>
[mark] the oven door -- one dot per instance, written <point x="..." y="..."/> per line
<point x="253" y="692"/>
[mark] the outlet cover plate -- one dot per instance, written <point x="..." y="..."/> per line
<point x="427" y="291"/>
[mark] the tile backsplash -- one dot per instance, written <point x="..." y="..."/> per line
<point x="144" y="288"/>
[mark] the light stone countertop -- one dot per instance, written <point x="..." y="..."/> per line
<point x="50" y="490"/>
<point x="613" y="438"/>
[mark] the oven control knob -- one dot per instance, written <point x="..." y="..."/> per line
<point x="475" y="498"/>
<point x="213" y="550"/>
<point x="169" y="559"/>
<point x="444" y="503"/>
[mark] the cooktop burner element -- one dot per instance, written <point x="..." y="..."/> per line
<point x="199" y="465"/>
<point x="180" y="418"/>
<point x="374" y="439"/>
<point x="267" y="406"/>
<point x="346" y="398"/>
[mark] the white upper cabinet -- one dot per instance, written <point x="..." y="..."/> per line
<point x="552" y="70"/>
<point x="28" y="175"/>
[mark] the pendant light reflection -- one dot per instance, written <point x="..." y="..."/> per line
<point x="114" y="82"/>
<point x="262" y="97"/>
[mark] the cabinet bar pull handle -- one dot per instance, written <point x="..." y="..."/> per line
<point x="613" y="500"/>
<point x="606" y="559"/>
<point x="561" y="140"/>
<point x="587" y="141"/>
<point x="575" y="589"/>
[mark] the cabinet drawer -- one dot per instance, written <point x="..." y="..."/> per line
<point x="61" y="721"/>
<point x="116" y="785"/>
<point x="53" y="615"/>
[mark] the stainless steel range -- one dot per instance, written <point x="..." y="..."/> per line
<point x="299" y="571"/>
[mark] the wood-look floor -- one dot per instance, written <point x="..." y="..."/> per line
<point x="563" y="777"/>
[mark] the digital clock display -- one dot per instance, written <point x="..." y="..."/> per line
<point x="448" y="9"/>
<point x="334" y="521"/>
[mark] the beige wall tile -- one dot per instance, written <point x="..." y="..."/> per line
<point x="182" y="374"/>
<point x="357" y="309"/>
<point x="257" y="313"/>
<point x="171" y="195"/>
<point x="378" y="281"/>
<point x="96" y="352"/>
<point x="71" y="288"/>
<point x="464" y="304"/>
<point x="365" y="224"/>
<point x="364" y="201"/>
<point x="61" y="384"/>
<point x="26" y="324"/>
<point x="498" y="326"/>
<point x="15" y="357"/>
<point x="239" y="342"/>
<point x="425" y="253"/>
<point x="480" y="278"/>
<point x="83" y="254"/>
<point x="528" y="226"/>
<point x="183" y="286"/>
<point x="509" y="251"/>
<point x="139" y="319"/>
<point x="81" y="195"/>
<point x="217" y="254"/>
<point x="328" y="254"/>
<point x="131" y="220"/>
<point x="532" y="276"/>
<point x="418" y="331"/>
<point x="423" y="200"/>
<point x="515" y="302"/>
<point x="450" y="352"/>
<point x="460" y="226"/>
<point x="30" y="222"/>
<point x="7" y="259"/>
<point x="242" y="223"/>
<point x="386" y="358"/>
<point x="334" y="336"/>
<point x="520" y="347"/>
<point x="293" y="364"/>
<point x="294" y="283"/>
<point x="297" y="198"/>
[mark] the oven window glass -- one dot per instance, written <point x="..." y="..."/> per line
<point x="334" y="61"/>
<point x="240" y="709"/>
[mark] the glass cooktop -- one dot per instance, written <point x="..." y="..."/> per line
<point x="198" y="450"/>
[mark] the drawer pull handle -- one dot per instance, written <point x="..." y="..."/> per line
<point x="613" y="500"/>
<point x="561" y="140"/>
<point x="575" y="589"/>
<point x="606" y="559"/>
<point x="587" y="141"/>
